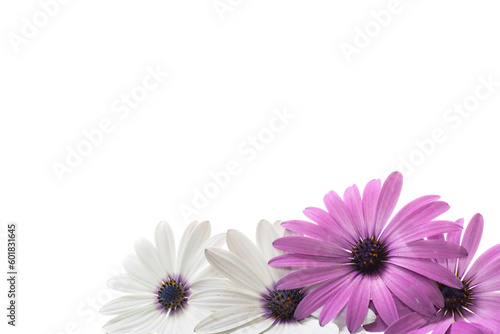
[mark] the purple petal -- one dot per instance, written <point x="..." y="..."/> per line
<point x="307" y="276"/>
<point x="490" y="301"/>
<point x="352" y="200"/>
<point x="430" y="249"/>
<point x="358" y="304"/>
<point x="370" y="200"/>
<point x="477" y="269"/>
<point x="310" y="229"/>
<point x="383" y="301"/>
<point x="421" y="286"/>
<point x="408" y="209"/>
<point x="325" y="220"/>
<point x="338" y="299"/>
<point x="443" y="325"/>
<point x="387" y="200"/>
<point x="470" y="242"/>
<point x="301" y="260"/>
<point x="377" y="326"/>
<point x="316" y="298"/>
<point x="454" y="237"/>
<point x="430" y="270"/>
<point x="423" y="214"/>
<point x="407" y="290"/>
<point x="488" y="325"/>
<point x="407" y="323"/>
<point x="309" y="246"/>
<point x="340" y="214"/>
<point x="462" y="327"/>
<point x="431" y="230"/>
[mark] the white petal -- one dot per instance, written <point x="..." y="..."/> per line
<point x="278" y="227"/>
<point x="165" y="242"/>
<point x="199" y="235"/>
<point x="182" y="324"/>
<point x="227" y="319"/>
<point x="235" y="269"/>
<point x="128" y="321"/>
<point x="127" y="303"/>
<point x="216" y="299"/>
<point x="244" y="248"/>
<point x="199" y="261"/>
<point x="211" y="283"/>
<point x="125" y="283"/>
<point x="183" y="244"/>
<point x="149" y="257"/>
<point x="138" y="272"/>
<point x="259" y="325"/>
<point x="206" y="272"/>
<point x="313" y="324"/>
<point x="266" y="234"/>
<point x="294" y="328"/>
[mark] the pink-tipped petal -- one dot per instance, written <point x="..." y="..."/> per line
<point x="358" y="304"/>
<point x="430" y="249"/>
<point x="308" y="246"/>
<point x="471" y="239"/>
<point x="430" y="270"/>
<point x="387" y="200"/>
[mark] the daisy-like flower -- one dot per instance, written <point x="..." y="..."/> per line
<point x="249" y="301"/>
<point x="159" y="284"/>
<point x="358" y="256"/>
<point x="472" y="308"/>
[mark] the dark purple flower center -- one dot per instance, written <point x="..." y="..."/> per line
<point x="368" y="255"/>
<point x="282" y="303"/>
<point x="455" y="299"/>
<point x="172" y="294"/>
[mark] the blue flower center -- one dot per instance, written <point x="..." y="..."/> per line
<point x="282" y="303"/>
<point x="368" y="255"/>
<point x="172" y="294"/>
<point x="455" y="299"/>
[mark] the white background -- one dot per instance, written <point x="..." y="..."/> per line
<point x="353" y="122"/>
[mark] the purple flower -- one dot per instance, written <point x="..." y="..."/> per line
<point x="355" y="255"/>
<point x="474" y="307"/>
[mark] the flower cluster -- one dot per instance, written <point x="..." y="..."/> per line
<point x="355" y="267"/>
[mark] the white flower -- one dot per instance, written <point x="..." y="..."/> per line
<point x="251" y="303"/>
<point x="159" y="284"/>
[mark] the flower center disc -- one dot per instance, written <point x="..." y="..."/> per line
<point x="172" y="294"/>
<point x="455" y="299"/>
<point x="368" y="255"/>
<point x="282" y="303"/>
